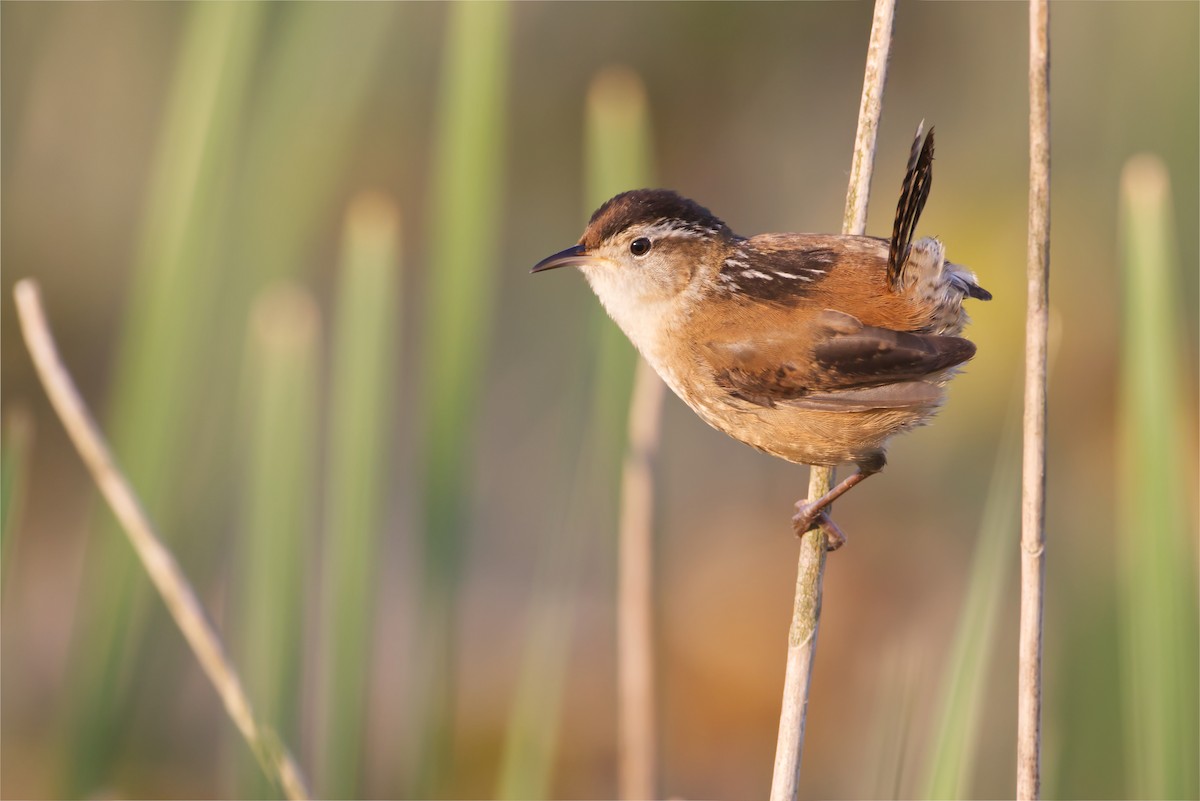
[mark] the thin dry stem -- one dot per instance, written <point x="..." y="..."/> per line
<point x="802" y="648"/>
<point x="174" y="588"/>
<point x="870" y="108"/>
<point x="1033" y="486"/>
<point x="806" y="613"/>
<point x="635" y="632"/>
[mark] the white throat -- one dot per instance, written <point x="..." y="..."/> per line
<point x="641" y="318"/>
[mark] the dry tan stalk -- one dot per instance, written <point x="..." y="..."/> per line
<point x="164" y="571"/>
<point x="806" y="611"/>
<point x="635" y="628"/>
<point x="1033" y="473"/>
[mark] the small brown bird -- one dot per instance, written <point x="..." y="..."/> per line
<point x="816" y="348"/>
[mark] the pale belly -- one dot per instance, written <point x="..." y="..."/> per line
<point x="798" y="434"/>
<point x="808" y="436"/>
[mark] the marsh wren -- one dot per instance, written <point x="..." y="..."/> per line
<point x="816" y="348"/>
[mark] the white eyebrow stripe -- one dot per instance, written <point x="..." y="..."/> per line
<point x="678" y="229"/>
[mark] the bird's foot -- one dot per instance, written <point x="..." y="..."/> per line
<point x="810" y="515"/>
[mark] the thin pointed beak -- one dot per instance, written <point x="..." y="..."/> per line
<point x="573" y="255"/>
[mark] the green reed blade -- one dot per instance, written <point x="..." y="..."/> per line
<point x="302" y="129"/>
<point x="952" y="758"/>
<point x="618" y="152"/>
<point x="618" y="139"/>
<point x="276" y="514"/>
<point x="172" y="304"/>
<point x="14" y="464"/>
<point x="886" y="756"/>
<point x="1157" y="530"/>
<point x="619" y="157"/>
<point x="363" y="368"/>
<point x="466" y="215"/>
<point x="314" y="93"/>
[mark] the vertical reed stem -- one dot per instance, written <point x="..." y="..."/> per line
<point x="635" y="630"/>
<point x="1033" y="490"/>
<point x="806" y="611"/>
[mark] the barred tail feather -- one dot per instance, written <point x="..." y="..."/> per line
<point x="915" y="191"/>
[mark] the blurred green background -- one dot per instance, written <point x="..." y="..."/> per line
<point x="285" y="250"/>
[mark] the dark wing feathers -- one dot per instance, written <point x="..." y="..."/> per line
<point x="844" y="365"/>
<point x="849" y="367"/>
<point x="915" y="191"/>
<point x="877" y="356"/>
<point x="784" y="269"/>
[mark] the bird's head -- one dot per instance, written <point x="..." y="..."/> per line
<point x="643" y="249"/>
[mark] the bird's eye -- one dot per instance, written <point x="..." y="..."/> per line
<point x="639" y="246"/>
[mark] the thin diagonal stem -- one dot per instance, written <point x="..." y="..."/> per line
<point x="160" y="564"/>
<point x="806" y="611"/>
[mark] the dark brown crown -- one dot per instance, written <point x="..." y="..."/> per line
<point x="648" y="207"/>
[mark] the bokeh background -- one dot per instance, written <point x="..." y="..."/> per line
<point x="285" y="250"/>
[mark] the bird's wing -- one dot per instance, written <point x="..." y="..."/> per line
<point x="789" y="269"/>
<point x="838" y="364"/>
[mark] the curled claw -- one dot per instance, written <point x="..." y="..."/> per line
<point x="809" y="515"/>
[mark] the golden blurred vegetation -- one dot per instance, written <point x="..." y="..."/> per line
<point x="285" y="250"/>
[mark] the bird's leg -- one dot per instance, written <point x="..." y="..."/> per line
<point x="813" y="513"/>
<point x="834" y="538"/>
